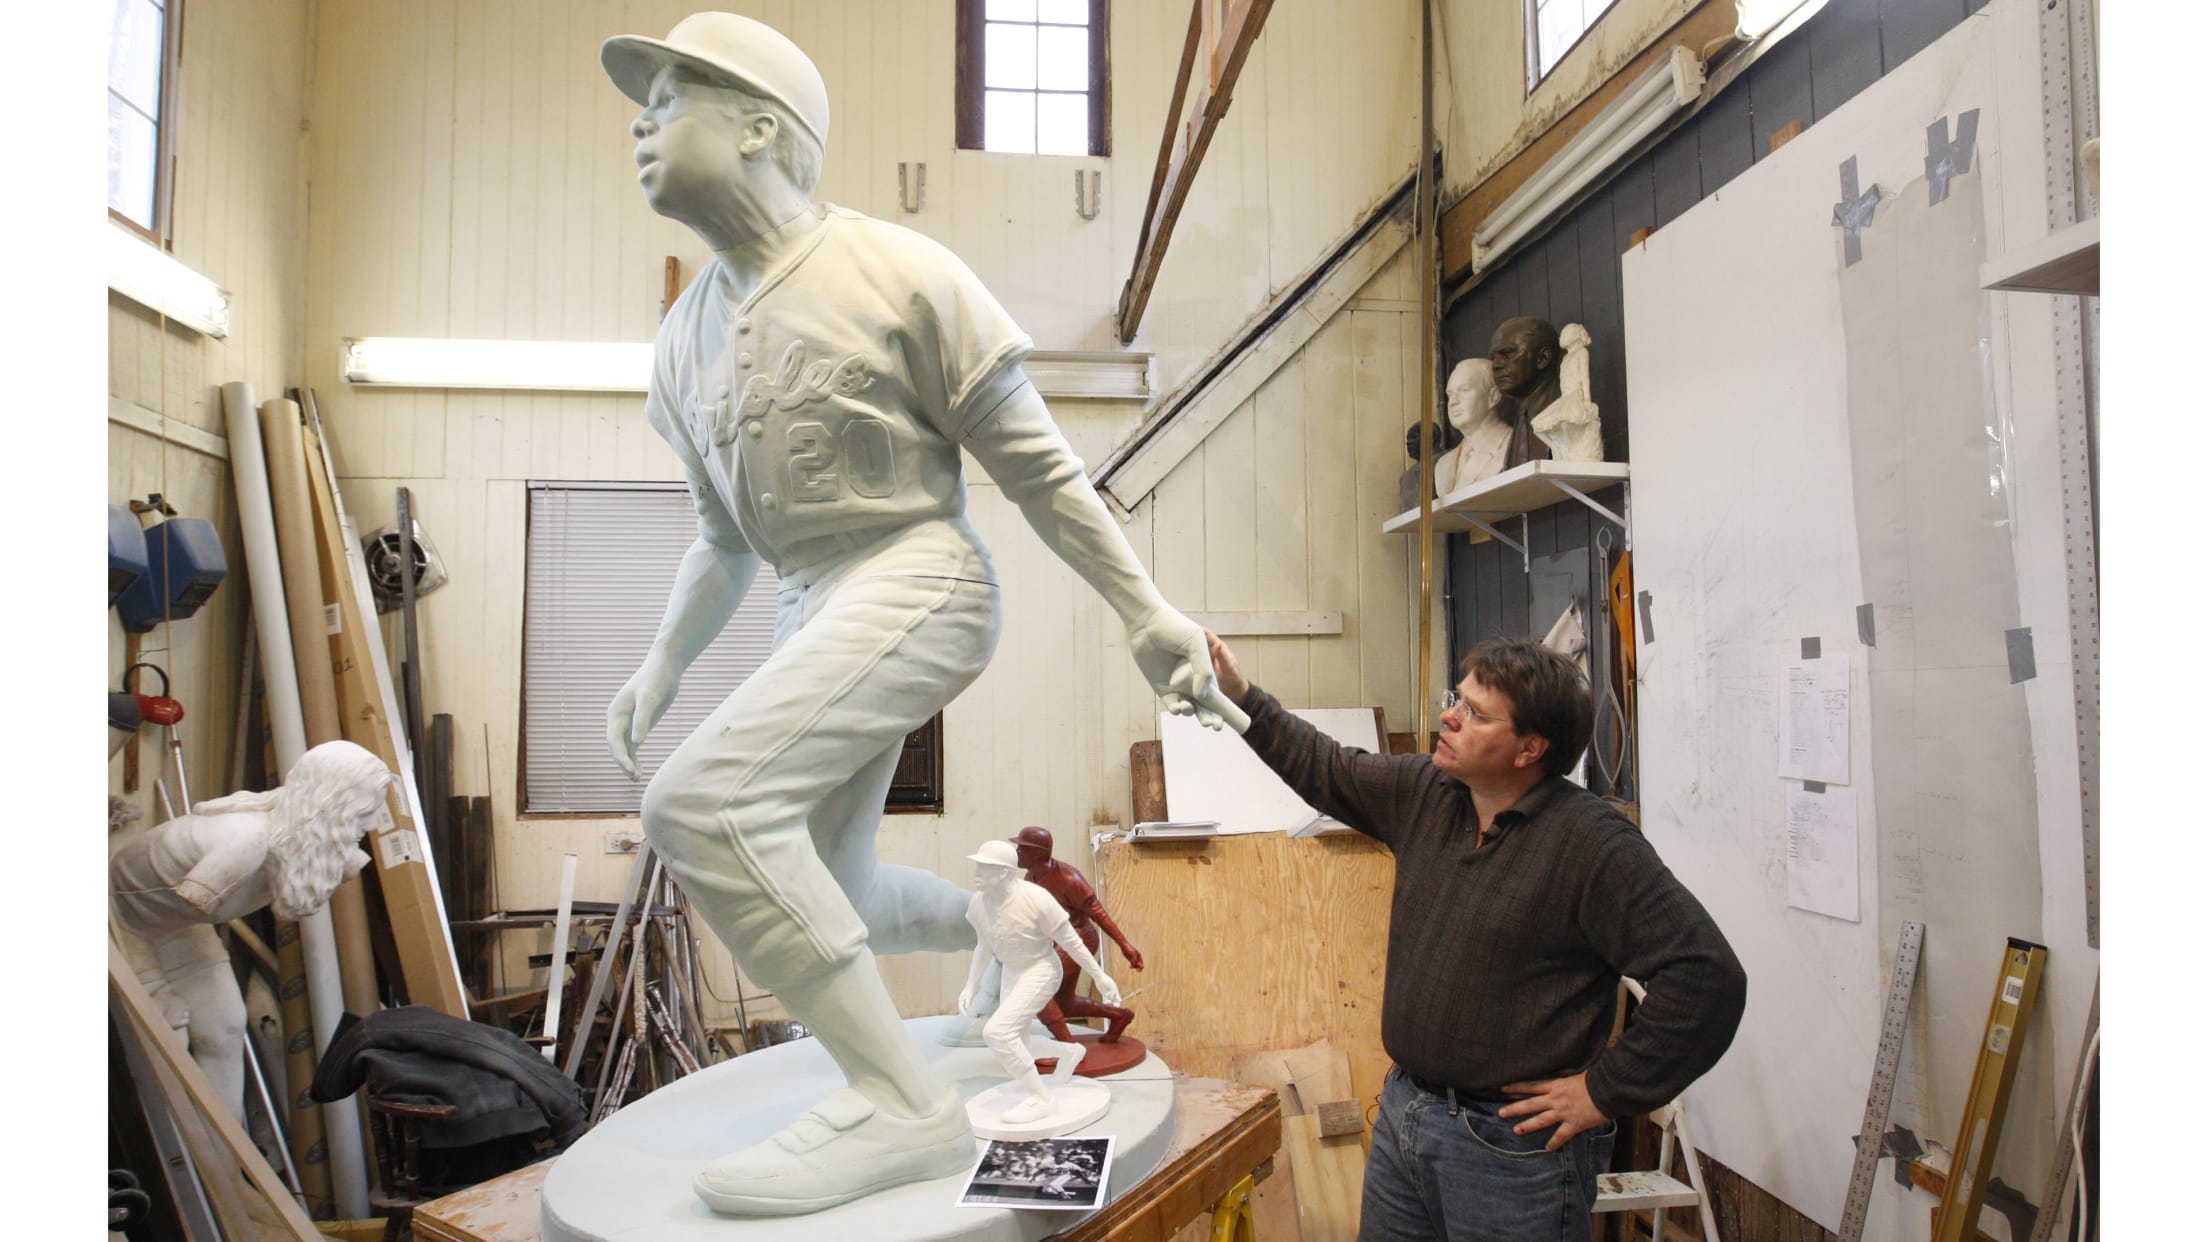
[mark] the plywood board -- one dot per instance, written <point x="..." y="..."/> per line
<point x="1254" y="944"/>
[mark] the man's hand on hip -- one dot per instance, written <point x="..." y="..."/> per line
<point x="1559" y="1102"/>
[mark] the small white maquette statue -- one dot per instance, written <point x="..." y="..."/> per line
<point x="289" y="848"/>
<point x="1571" y="425"/>
<point x="1018" y="922"/>
<point x="818" y="382"/>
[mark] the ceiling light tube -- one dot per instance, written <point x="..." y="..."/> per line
<point x="1672" y="83"/>
<point x="560" y="366"/>
<point x="153" y="278"/>
<point x="588" y="366"/>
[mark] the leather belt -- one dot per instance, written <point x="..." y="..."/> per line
<point x="1457" y="1095"/>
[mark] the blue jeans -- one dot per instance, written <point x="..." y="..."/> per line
<point x="1456" y="1172"/>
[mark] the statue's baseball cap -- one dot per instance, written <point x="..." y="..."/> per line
<point x="727" y="47"/>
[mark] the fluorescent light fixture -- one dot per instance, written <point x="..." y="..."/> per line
<point x="1672" y="83"/>
<point x="564" y="366"/>
<point x="615" y="366"/>
<point x="1759" y="17"/>
<point x="151" y="277"/>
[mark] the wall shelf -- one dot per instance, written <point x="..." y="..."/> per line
<point x="2067" y="260"/>
<point x="1475" y="508"/>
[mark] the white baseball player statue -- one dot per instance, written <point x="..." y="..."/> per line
<point x="1017" y="922"/>
<point x="818" y="381"/>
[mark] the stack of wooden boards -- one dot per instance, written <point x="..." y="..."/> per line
<point x="425" y="970"/>
<point x="1323" y="1128"/>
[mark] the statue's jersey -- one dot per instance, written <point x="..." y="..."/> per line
<point x="833" y="401"/>
<point x="1020" y="928"/>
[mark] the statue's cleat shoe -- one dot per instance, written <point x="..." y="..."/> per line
<point x="1075" y="1053"/>
<point x="844" y="1149"/>
<point x="1033" y="1108"/>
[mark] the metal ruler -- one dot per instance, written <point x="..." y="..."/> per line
<point x="2067" y="79"/>
<point x="1872" y="1140"/>
<point x="2022" y="964"/>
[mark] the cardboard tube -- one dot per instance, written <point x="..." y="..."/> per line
<point x="296" y="547"/>
<point x="280" y="682"/>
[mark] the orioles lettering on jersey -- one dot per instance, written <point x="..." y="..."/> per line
<point x="831" y="451"/>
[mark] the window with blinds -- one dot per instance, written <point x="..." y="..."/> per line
<point x="602" y="557"/>
<point x="601" y="560"/>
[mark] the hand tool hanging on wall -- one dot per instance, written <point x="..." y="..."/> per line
<point x="157" y="709"/>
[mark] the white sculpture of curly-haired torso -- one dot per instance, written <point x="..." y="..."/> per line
<point x="288" y="848"/>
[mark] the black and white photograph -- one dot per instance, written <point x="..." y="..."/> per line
<point x="1062" y="1175"/>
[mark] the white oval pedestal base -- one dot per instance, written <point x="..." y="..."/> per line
<point x="628" y="1179"/>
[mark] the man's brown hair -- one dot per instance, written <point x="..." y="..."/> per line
<point x="1548" y="695"/>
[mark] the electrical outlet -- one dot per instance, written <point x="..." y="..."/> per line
<point x="624" y="842"/>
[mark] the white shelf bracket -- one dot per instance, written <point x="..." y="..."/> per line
<point x="1498" y="536"/>
<point x="1590" y="502"/>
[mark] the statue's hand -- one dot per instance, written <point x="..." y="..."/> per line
<point x="1106" y="990"/>
<point x="1169" y="649"/>
<point x="966" y="1001"/>
<point x="1134" y="956"/>
<point x="639" y="705"/>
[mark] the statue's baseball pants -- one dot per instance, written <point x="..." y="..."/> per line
<point x="767" y="814"/>
<point x="1026" y="990"/>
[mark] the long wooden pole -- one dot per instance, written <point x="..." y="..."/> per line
<point x="286" y="450"/>
<point x="1428" y="326"/>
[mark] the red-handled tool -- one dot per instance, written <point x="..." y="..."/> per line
<point x="162" y="710"/>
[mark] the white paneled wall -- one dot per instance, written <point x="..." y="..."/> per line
<point x="240" y="216"/>
<point x="472" y="177"/>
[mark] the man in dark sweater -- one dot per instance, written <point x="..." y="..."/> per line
<point x="1520" y="898"/>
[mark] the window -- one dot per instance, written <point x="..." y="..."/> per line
<point x="1553" y="27"/>
<point x="601" y="558"/>
<point x="1034" y="77"/>
<point x="142" y="42"/>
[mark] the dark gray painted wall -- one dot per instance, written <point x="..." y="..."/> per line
<point x="1571" y="273"/>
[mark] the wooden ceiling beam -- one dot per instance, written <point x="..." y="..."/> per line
<point x="1237" y="28"/>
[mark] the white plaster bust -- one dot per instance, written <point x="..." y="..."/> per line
<point x="1486" y="443"/>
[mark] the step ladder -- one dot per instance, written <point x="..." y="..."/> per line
<point x="1658" y="1190"/>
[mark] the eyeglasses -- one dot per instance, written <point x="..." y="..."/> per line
<point x="1454" y="702"/>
